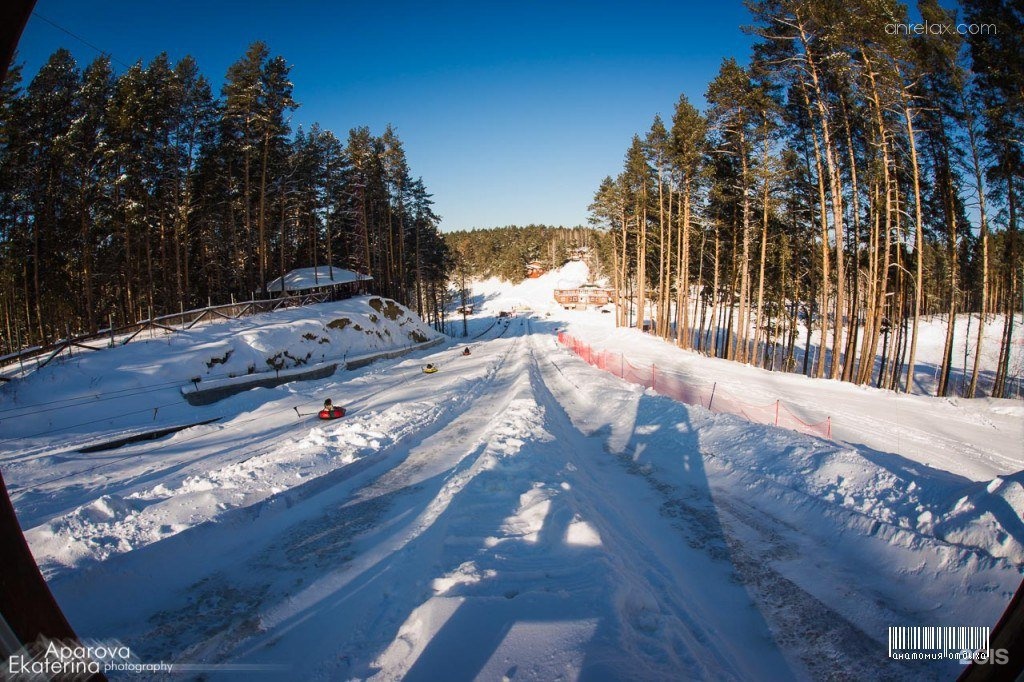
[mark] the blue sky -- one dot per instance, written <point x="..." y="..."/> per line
<point x="511" y="111"/>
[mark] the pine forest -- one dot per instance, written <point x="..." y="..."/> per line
<point x="124" y="197"/>
<point x="850" y="177"/>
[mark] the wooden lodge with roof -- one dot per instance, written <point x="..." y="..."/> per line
<point x="534" y="269"/>
<point x="584" y="296"/>
<point x="338" y="283"/>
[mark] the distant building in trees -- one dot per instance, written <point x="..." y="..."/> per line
<point x="583" y="296"/>
<point x="339" y="282"/>
<point x="534" y="269"/>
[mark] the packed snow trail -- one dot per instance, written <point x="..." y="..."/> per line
<point x="519" y="514"/>
<point x="252" y="424"/>
<point x="485" y="528"/>
<point x="530" y="571"/>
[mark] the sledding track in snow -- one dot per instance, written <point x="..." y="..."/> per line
<point x="516" y="515"/>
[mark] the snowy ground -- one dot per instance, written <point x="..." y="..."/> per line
<point x="522" y="515"/>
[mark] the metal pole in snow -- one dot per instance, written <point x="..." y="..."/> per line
<point x="828" y="421"/>
<point x="712" y="398"/>
<point x="777" y="412"/>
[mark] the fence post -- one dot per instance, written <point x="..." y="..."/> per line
<point x="712" y="398"/>
<point x="654" y="376"/>
<point x="828" y="421"/>
<point x="777" y="412"/>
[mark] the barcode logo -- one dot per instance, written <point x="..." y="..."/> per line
<point x="951" y="642"/>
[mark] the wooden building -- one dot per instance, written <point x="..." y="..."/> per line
<point x="339" y="282"/>
<point x="584" y="296"/>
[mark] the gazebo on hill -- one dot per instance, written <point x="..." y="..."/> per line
<point x="340" y="283"/>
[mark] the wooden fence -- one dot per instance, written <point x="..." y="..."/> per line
<point x="24" y="362"/>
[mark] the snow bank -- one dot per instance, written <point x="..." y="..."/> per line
<point x="367" y="325"/>
<point x="138" y="384"/>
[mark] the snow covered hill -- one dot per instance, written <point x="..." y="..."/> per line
<point x="517" y="515"/>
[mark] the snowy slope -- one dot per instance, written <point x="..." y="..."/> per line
<point x="99" y="396"/>
<point x="522" y="515"/>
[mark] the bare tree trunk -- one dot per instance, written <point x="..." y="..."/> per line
<point x="823" y="218"/>
<point x="666" y="322"/>
<point x="999" y="389"/>
<point x="684" y="336"/>
<point x="661" y="252"/>
<point x="261" y="216"/>
<point x="641" y="264"/>
<point x="624" y="309"/>
<point x="246" y="193"/>
<point x="918" y="243"/>
<point x="836" y="188"/>
<point x="851" y="347"/>
<point x="979" y="179"/>
<point x="764" y="245"/>
<point x="950" y="216"/>
<point x="713" y="323"/>
<point x="617" y="283"/>
<point x="742" y="333"/>
<point x="879" y="282"/>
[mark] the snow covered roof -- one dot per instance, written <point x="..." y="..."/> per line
<point x="311" y="278"/>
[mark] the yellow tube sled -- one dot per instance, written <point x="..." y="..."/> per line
<point x="429" y="369"/>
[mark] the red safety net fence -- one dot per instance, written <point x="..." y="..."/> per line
<point x="709" y="397"/>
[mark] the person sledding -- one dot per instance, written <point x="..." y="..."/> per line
<point x="465" y="351"/>
<point x="331" y="411"/>
<point x="429" y="368"/>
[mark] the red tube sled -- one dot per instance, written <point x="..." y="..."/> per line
<point x="336" y="413"/>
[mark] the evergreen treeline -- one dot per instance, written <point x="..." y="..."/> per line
<point x="504" y="252"/>
<point x="123" y="197"/>
<point x="852" y="175"/>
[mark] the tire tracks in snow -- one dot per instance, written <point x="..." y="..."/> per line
<point x="817" y="641"/>
<point x="129" y="514"/>
<point x="314" y="529"/>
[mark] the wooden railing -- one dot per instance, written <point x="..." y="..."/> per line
<point x="28" y="360"/>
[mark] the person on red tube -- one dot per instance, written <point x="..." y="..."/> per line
<point x="330" y="411"/>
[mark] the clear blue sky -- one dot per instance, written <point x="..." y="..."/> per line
<point x="511" y="111"/>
